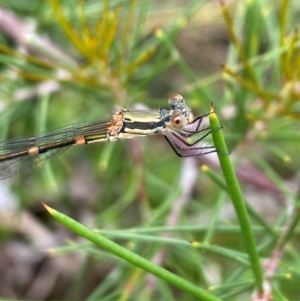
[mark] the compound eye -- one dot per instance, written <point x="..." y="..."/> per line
<point x="178" y="122"/>
<point x="176" y="101"/>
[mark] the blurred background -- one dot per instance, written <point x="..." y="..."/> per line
<point x="64" y="62"/>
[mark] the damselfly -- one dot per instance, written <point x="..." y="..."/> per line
<point x="183" y="134"/>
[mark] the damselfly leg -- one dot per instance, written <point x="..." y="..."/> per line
<point x="188" y="141"/>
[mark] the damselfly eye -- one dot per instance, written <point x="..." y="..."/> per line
<point x="178" y="122"/>
<point x="176" y="101"/>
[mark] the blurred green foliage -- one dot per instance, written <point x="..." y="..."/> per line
<point x="63" y="62"/>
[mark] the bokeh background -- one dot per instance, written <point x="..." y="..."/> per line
<point x="64" y="62"/>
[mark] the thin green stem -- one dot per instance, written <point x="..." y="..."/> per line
<point x="131" y="257"/>
<point x="235" y="193"/>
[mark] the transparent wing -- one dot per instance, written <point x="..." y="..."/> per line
<point x="62" y="138"/>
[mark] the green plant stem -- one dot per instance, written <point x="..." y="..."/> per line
<point x="131" y="257"/>
<point x="235" y="193"/>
